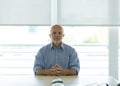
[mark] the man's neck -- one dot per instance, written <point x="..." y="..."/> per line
<point x="56" y="45"/>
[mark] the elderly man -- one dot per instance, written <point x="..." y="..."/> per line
<point x="56" y="58"/>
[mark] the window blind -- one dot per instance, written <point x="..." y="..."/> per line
<point x="83" y="12"/>
<point x="69" y="12"/>
<point x="25" y="12"/>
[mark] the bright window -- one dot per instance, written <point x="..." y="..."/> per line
<point x="19" y="45"/>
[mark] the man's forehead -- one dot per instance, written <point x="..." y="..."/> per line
<point x="56" y="29"/>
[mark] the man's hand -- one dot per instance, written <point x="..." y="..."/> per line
<point x="56" y="70"/>
<point x="59" y="71"/>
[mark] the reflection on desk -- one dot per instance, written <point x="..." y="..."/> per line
<point x="31" y="80"/>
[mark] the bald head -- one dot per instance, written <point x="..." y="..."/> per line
<point x="56" y="27"/>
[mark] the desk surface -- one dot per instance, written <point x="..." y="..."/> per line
<point x="31" y="80"/>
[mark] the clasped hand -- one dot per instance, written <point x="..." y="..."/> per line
<point x="57" y="70"/>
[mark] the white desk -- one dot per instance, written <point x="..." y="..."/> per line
<point x="31" y="80"/>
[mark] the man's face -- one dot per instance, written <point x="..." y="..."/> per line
<point x="56" y="34"/>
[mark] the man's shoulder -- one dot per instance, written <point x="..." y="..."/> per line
<point x="67" y="46"/>
<point x="46" y="46"/>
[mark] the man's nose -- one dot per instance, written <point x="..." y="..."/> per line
<point x="57" y="33"/>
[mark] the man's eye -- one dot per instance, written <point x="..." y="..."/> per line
<point x="59" y="33"/>
<point x="54" y="32"/>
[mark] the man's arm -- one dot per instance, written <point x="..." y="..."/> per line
<point x="45" y="72"/>
<point x="56" y="71"/>
<point x="61" y="71"/>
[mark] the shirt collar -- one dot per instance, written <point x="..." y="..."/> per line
<point x="61" y="46"/>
